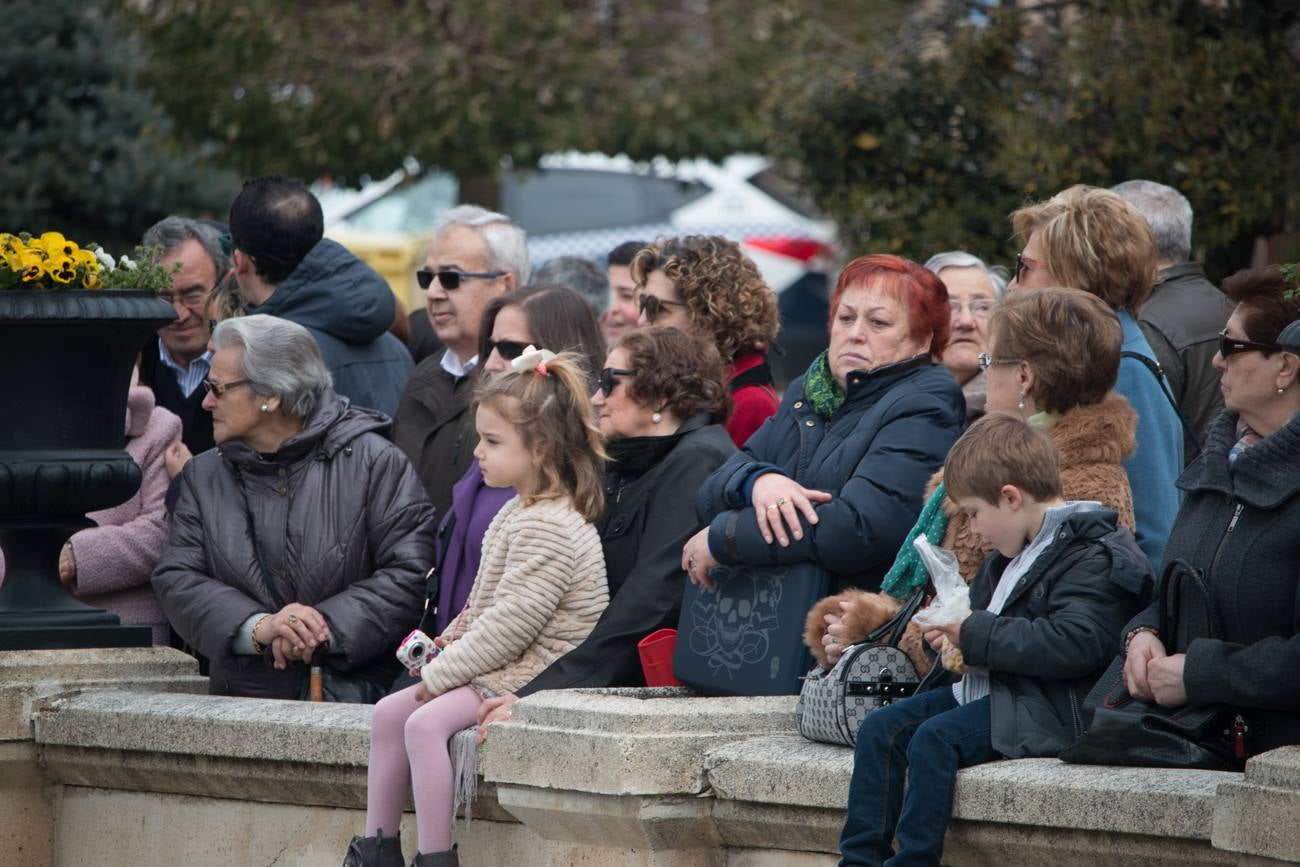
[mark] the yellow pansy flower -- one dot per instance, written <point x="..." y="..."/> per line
<point x="56" y="245"/>
<point x="33" y="265"/>
<point x="62" y="268"/>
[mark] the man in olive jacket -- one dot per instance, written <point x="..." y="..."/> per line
<point x="1185" y="313"/>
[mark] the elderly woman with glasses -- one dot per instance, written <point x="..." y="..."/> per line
<point x="304" y="536"/>
<point x="1053" y="359"/>
<point x="1239" y="525"/>
<point x="973" y="289"/>
<point x="704" y="285"/>
<point x="661" y="403"/>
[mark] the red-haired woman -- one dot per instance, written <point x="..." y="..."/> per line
<point x="837" y="477"/>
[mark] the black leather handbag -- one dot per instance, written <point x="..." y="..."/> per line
<point x="1127" y="731"/>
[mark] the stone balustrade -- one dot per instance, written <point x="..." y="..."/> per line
<point x="141" y="776"/>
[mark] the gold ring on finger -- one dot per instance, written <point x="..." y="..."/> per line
<point x="771" y="506"/>
<point x="293" y="618"/>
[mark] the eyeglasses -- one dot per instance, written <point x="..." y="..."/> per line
<point x="980" y="308"/>
<point x="653" y="306"/>
<point x="509" y="349"/>
<point x="452" y="279"/>
<point x="609" y="378"/>
<point x="1231" y="345"/>
<point x="986" y="361"/>
<point x="194" y="297"/>
<point x="220" y="388"/>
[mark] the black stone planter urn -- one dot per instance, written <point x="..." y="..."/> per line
<point x="65" y="367"/>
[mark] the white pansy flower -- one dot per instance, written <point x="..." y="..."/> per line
<point x="125" y="263"/>
<point x="105" y="260"/>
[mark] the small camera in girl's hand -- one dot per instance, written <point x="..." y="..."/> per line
<point x="415" y="651"/>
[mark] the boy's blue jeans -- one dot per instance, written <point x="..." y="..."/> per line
<point x="934" y="737"/>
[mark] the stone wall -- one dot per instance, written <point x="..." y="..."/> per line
<point x="157" y="774"/>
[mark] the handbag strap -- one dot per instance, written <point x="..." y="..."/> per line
<point x="1158" y="372"/>
<point x="898" y="623"/>
<point x="433" y="578"/>
<point x="1174" y="584"/>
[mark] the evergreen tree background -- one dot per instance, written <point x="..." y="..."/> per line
<point x="84" y="150"/>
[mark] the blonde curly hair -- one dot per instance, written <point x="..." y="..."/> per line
<point x="724" y="294"/>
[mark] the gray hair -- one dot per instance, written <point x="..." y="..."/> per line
<point x="962" y="259"/>
<point x="507" y="245"/>
<point x="1167" y="212"/>
<point x="170" y="232"/>
<point x="280" y="358"/>
<point x="583" y="275"/>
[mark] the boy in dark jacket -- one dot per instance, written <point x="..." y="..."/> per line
<point x="1048" y="606"/>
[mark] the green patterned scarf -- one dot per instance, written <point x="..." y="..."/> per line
<point x="821" y="389"/>
<point x="908" y="572"/>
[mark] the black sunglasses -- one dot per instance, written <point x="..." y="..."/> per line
<point x="652" y="306"/>
<point x="609" y="378"/>
<point x="1231" y="345"/>
<point x="509" y="349"/>
<point x="452" y="279"/>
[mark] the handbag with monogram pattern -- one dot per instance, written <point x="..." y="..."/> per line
<point x="868" y="675"/>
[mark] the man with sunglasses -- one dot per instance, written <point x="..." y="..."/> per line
<point x="476" y="255"/>
<point x="285" y="267"/>
<point x="175" y="361"/>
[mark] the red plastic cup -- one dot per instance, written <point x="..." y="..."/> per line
<point x="656" y="651"/>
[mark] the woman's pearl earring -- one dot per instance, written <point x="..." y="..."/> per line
<point x="1021" y="405"/>
<point x="266" y="407"/>
<point x="1281" y="389"/>
<point x="656" y="417"/>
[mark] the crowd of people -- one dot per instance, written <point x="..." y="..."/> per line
<point x="549" y="458"/>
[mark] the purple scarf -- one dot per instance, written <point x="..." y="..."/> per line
<point x="475" y="505"/>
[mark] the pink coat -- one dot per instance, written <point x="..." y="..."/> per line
<point x="116" y="559"/>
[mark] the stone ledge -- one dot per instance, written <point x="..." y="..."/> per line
<point x="623" y="742"/>
<point x="1260" y="814"/>
<point x="28" y="678"/>
<point x="243" y="728"/>
<point x="788" y="770"/>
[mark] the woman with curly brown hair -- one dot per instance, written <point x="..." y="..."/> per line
<point x="705" y="286"/>
<point x="660" y="405"/>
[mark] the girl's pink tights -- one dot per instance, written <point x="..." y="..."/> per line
<point x="408" y="742"/>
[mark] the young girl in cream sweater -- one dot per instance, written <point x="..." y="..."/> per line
<point x="539" y="591"/>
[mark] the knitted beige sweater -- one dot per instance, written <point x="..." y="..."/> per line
<point x="539" y="591"/>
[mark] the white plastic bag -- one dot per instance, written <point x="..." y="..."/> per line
<point x="951" y="602"/>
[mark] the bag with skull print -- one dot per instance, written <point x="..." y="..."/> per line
<point x="868" y="675"/>
<point x="745" y="636"/>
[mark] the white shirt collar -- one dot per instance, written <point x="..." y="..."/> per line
<point x="452" y="364"/>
